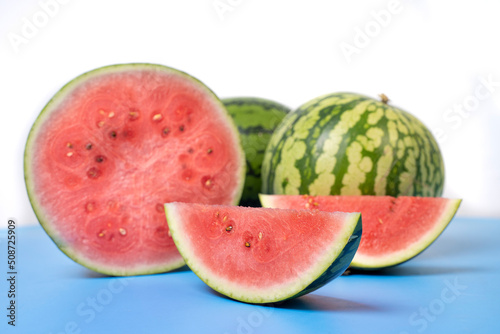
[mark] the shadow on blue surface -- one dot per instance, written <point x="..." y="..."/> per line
<point x="310" y="302"/>
<point x="315" y="302"/>
<point x="412" y="270"/>
<point x="83" y="272"/>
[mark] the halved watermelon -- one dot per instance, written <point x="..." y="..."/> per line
<point x="394" y="229"/>
<point x="260" y="255"/>
<point x="116" y="143"/>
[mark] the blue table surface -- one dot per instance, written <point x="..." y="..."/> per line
<point x="452" y="287"/>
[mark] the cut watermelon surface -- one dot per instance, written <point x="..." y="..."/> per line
<point x="115" y="144"/>
<point x="260" y="255"/>
<point x="394" y="229"/>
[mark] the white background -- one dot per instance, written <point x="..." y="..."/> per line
<point x="439" y="60"/>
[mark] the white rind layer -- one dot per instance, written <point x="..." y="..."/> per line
<point x="363" y="261"/>
<point x="30" y="170"/>
<point x="270" y="294"/>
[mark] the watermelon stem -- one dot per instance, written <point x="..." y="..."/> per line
<point x="384" y="98"/>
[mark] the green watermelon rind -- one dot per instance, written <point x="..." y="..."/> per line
<point x="373" y="263"/>
<point x="259" y="108"/>
<point x="44" y="218"/>
<point x="307" y="153"/>
<point x="332" y="264"/>
<point x="341" y="263"/>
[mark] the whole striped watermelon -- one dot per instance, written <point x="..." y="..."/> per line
<point x="256" y="119"/>
<point x="350" y="144"/>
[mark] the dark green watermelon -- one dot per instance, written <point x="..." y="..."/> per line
<point x="256" y="119"/>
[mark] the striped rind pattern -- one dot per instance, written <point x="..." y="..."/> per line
<point x="350" y="144"/>
<point x="256" y="120"/>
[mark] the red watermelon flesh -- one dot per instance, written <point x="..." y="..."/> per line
<point x="112" y="147"/>
<point x="394" y="229"/>
<point x="262" y="255"/>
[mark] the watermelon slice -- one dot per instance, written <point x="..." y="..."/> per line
<point x="394" y="229"/>
<point x="260" y="255"/>
<point x="111" y="147"/>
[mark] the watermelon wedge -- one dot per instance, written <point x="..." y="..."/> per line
<point x="260" y="255"/>
<point x="394" y="229"/>
<point x="116" y="143"/>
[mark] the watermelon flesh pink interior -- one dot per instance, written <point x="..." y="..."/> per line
<point x="263" y="255"/>
<point x="394" y="229"/>
<point x="112" y="147"/>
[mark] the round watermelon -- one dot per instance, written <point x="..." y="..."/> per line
<point x="256" y="119"/>
<point x="115" y="144"/>
<point x="261" y="255"/>
<point x="350" y="144"/>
